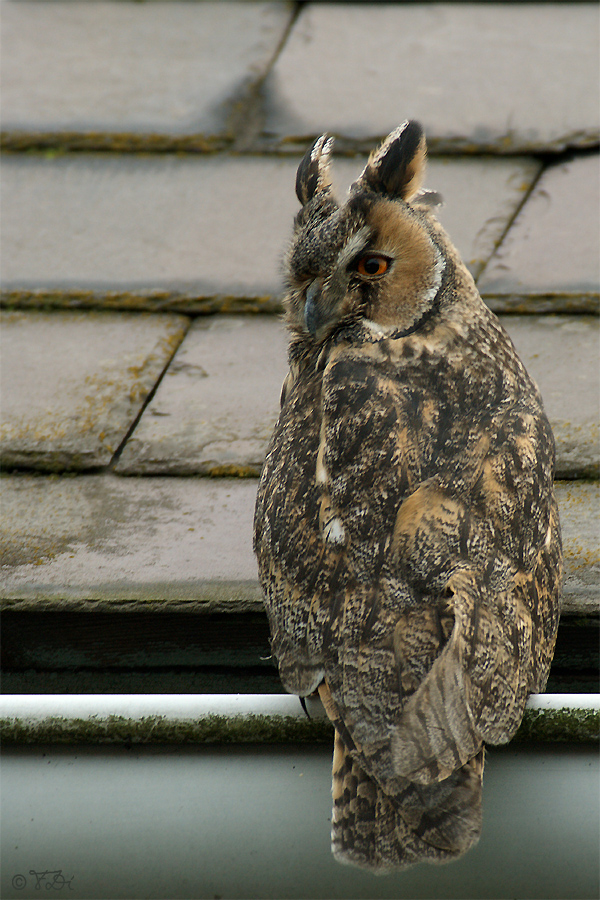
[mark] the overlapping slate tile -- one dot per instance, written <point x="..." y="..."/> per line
<point x="579" y="505"/>
<point x="95" y="541"/>
<point x="131" y="75"/>
<point x="561" y="355"/>
<point x="197" y="233"/>
<point x="552" y="247"/>
<point x="215" y="409"/>
<point x="73" y="383"/>
<point x="501" y="77"/>
<point x="100" y="541"/>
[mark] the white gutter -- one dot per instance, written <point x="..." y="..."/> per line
<point x="235" y="718"/>
<point x="192" y="707"/>
<point x="182" y="707"/>
<point x="239" y="821"/>
<point x="564" y="701"/>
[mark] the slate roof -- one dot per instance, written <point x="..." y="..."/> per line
<point x="147" y="196"/>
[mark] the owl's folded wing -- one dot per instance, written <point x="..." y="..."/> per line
<point x="483" y="544"/>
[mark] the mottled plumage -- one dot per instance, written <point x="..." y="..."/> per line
<point x="406" y="528"/>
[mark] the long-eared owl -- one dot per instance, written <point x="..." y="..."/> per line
<point x="406" y="529"/>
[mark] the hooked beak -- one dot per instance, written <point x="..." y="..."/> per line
<point x="311" y="308"/>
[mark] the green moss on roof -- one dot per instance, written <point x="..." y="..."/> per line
<point x="573" y="725"/>
<point x="556" y="725"/>
<point x="211" y="729"/>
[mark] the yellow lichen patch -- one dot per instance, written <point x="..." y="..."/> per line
<point x="130" y="142"/>
<point x="76" y="381"/>
<point x="233" y="471"/>
<point x="539" y="303"/>
<point x="145" y="301"/>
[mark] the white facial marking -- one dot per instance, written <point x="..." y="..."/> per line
<point x="438" y="270"/>
<point x="356" y="243"/>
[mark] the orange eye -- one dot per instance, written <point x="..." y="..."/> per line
<point x="372" y="265"/>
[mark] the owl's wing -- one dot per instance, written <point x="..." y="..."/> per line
<point x="431" y="644"/>
<point x="498" y="653"/>
<point x="475" y="691"/>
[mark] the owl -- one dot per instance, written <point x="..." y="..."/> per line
<point x="406" y="530"/>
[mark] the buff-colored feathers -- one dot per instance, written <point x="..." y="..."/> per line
<point x="406" y="529"/>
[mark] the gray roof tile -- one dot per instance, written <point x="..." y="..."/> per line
<point x="73" y="383"/>
<point x="552" y="246"/>
<point x="130" y="69"/>
<point x="479" y="76"/>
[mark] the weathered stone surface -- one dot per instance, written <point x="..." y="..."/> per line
<point x="579" y="504"/>
<point x="179" y="232"/>
<point x="201" y="225"/>
<point x="105" y="541"/>
<point x="552" y="247"/>
<point x="85" y="71"/>
<point x="100" y="541"/>
<point x="561" y="355"/>
<point x="215" y="409"/>
<point x="73" y="383"/>
<point x="503" y="77"/>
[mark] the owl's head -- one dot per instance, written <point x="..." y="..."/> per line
<point x="377" y="256"/>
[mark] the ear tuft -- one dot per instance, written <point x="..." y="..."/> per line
<point x="312" y="176"/>
<point x="397" y="167"/>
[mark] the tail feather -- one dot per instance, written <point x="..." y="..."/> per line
<point x="417" y="823"/>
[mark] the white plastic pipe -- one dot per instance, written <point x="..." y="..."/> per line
<point x="564" y="701"/>
<point x="36" y="708"/>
